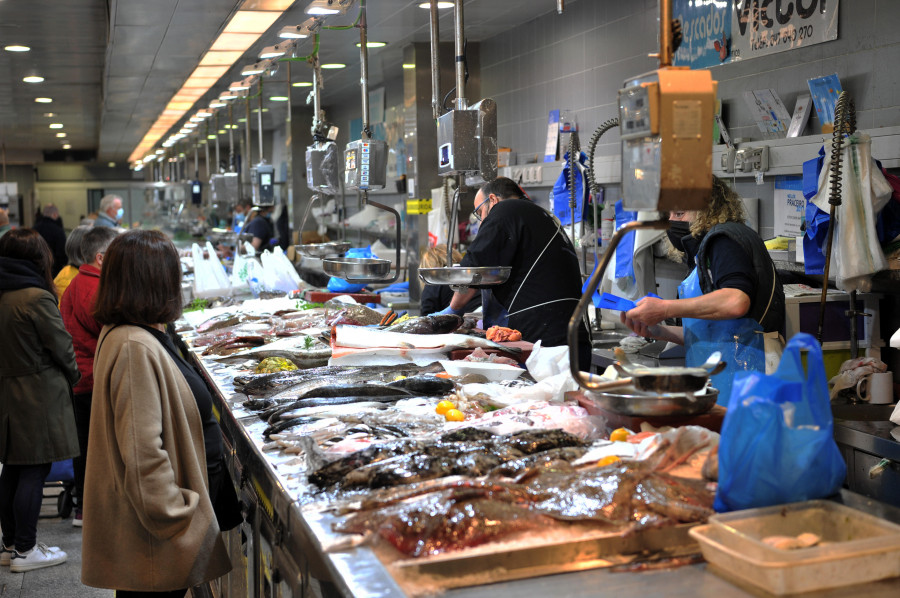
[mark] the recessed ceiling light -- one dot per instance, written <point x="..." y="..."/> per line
<point x="334" y="65"/>
<point x="257" y="110"/>
<point x="56" y="125"/>
<point x="210" y="136"/>
<point x="373" y="44"/>
<point x="278" y="98"/>
<point x="439" y="5"/>
<point x="60" y="135"/>
<point x="49" y="114"/>
<point x="112" y="164"/>
<point x="33" y="79"/>
<point x="43" y="100"/>
<point x="302" y="84"/>
<point x="407" y="65"/>
<point x="67" y="146"/>
<point x="242" y="120"/>
<point x="16" y="48"/>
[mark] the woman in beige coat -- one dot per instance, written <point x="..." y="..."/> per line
<point x="149" y="525"/>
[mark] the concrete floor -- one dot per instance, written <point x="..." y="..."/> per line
<point x="62" y="581"/>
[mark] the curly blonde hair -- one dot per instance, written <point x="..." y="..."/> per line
<point x="436" y="257"/>
<point x="725" y="205"/>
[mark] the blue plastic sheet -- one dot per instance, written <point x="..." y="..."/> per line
<point x="777" y="443"/>
<point x="625" y="249"/>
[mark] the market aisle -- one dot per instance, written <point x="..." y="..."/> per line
<point x="62" y="580"/>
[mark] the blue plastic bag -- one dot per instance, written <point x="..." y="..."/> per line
<point x="625" y="250"/>
<point x="339" y="285"/>
<point x="560" y="191"/>
<point x="777" y="443"/>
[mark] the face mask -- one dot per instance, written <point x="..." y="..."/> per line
<point x="119" y="213"/>
<point x="677" y="232"/>
<point x="239" y="218"/>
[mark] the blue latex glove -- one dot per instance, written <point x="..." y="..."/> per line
<point x="448" y="311"/>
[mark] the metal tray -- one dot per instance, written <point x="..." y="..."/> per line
<point x="459" y="276"/>
<point x="357" y="269"/>
<point x="629" y="401"/>
<point x="321" y="250"/>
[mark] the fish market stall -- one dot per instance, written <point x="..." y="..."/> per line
<point x="362" y="481"/>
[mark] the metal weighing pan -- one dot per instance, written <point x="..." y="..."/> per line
<point x="628" y="401"/>
<point x="320" y="250"/>
<point x="357" y="269"/>
<point x="464" y="277"/>
<point x="662" y="380"/>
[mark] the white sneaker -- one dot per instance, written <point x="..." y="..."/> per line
<point x="6" y="555"/>
<point x="37" y="558"/>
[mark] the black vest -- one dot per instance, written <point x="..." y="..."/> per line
<point x="767" y="304"/>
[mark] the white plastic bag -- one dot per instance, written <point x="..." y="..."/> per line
<point x="210" y="279"/>
<point x="278" y="273"/>
<point x="856" y="253"/>
<point x="437" y="217"/>
<point x="245" y="265"/>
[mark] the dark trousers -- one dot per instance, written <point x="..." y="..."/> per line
<point x="172" y="594"/>
<point x="81" y="403"/>
<point x="21" y="493"/>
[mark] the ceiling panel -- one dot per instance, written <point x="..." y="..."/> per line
<point x="125" y="58"/>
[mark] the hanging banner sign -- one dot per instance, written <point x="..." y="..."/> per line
<point x="706" y="32"/>
<point x="761" y="27"/>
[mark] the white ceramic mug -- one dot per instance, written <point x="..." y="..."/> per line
<point x="876" y="389"/>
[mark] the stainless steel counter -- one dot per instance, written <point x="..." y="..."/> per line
<point x="285" y="555"/>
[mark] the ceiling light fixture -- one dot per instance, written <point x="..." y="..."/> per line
<point x="301" y="31"/>
<point x="302" y="84"/>
<point x="278" y="98"/>
<point x="16" y="48"/>
<point x="328" y="7"/>
<point x="227" y="95"/>
<point x="407" y="65"/>
<point x="217" y="104"/>
<point x="33" y="79"/>
<point x="49" y="114"/>
<point x="334" y="65"/>
<point x="373" y="44"/>
<point x="276" y="51"/>
<point x="67" y="146"/>
<point x="43" y="100"/>
<point x="191" y="125"/>
<point x="257" y="68"/>
<point x="439" y="5"/>
<point x="56" y="125"/>
<point x="60" y="135"/>
<point x="238" y="86"/>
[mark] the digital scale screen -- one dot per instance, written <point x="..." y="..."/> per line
<point x="195" y="189"/>
<point x="265" y="179"/>
<point x="446" y="158"/>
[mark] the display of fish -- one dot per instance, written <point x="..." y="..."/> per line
<point x="442" y="324"/>
<point x="446" y="457"/>
<point x="454" y="516"/>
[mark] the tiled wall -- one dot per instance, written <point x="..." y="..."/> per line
<point x="578" y="60"/>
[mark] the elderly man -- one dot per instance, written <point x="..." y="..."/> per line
<point x="545" y="281"/>
<point x="111" y="212"/>
<point x="50" y="228"/>
<point x="77" y="307"/>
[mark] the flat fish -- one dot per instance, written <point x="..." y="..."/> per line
<point x="442" y="324"/>
<point x="216" y="322"/>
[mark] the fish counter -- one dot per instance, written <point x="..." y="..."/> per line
<point x="404" y="479"/>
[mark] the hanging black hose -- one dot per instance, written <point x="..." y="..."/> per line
<point x="592" y="146"/>
<point x="844" y="123"/>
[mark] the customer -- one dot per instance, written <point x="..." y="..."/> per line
<point x="436" y="297"/>
<point x="37" y="369"/>
<point x="77" y="307"/>
<point x="50" y="227"/>
<point x="149" y="521"/>
<point x="73" y="253"/>
<point x="260" y="228"/>
<point x="5" y="226"/>
<point x="110" y="212"/>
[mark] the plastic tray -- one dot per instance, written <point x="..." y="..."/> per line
<point x="858" y="548"/>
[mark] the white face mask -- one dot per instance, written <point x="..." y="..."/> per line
<point x="119" y="213"/>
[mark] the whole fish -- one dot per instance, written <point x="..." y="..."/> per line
<point x="216" y="322"/>
<point x="442" y="324"/>
<point x="232" y="345"/>
<point x="337" y="390"/>
<point x="303" y="359"/>
<point x="426" y="385"/>
<point x="264" y="384"/>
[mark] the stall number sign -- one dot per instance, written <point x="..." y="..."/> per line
<point x="720" y="31"/>
<point x="761" y="27"/>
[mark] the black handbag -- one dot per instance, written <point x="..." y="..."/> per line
<point x="224" y="499"/>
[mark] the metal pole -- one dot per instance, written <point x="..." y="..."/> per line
<point x="364" y="69"/>
<point x="665" y="33"/>
<point x="560" y="6"/>
<point x="206" y="146"/>
<point x="435" y="67"/>
<point x="460" y="56"/>
<point x="259" y="119"/>
<point x="230" y="138"/>
<point x="218" y="160"/>
<point x="317" y="96"/>
<point x="196" y="163"/>
<point x="249" y="139"/>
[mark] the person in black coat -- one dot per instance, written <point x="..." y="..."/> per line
<point x="51" y="229"/>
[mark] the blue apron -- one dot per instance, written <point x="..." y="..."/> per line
<point x="740" y="340"/>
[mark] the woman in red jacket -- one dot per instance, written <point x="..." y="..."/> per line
<point x="77" y="308"/>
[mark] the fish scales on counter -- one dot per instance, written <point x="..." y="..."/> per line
<point x="442" y="324"/>
<point x="452" y="516"/>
